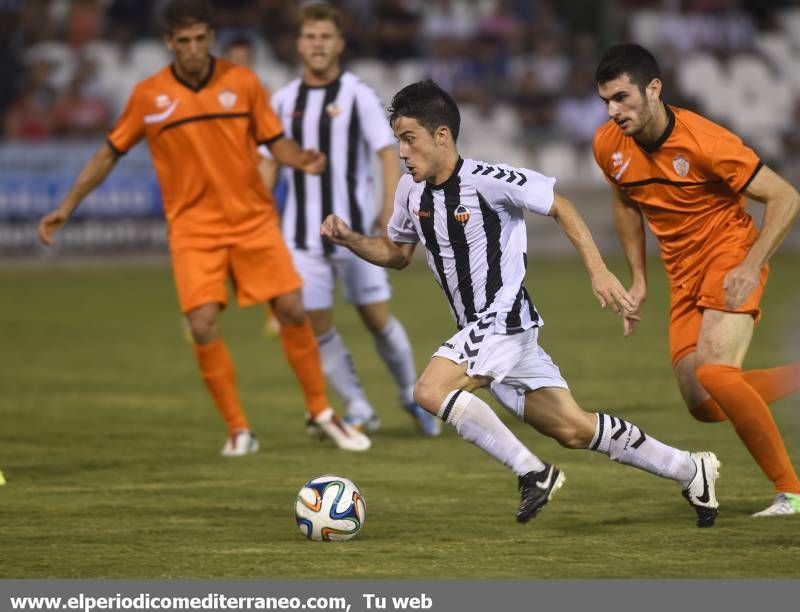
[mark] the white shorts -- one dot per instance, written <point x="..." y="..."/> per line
<point x="515" y="362"/>
<point x="362" y="282"/>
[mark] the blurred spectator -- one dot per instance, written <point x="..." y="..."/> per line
<point x="487" y="71"/>
<point x="546" y="22"/>
<point x="583" y="54"/>
<point x="82" y="23"/>
<point x="10" y="50"/>
<point x="791" y="146"/>
<point x="136" y="16"/>
<point x="396" y="30"/>
<point x="450" y="19"/>
<point x="579" y="113"/>
<point x="240" y="51"/>
<point x="548" y="61"/>
<point x="80" y="112"/>
<point x="445" y="64"/>
<point x="534" y="107"/>
<point x="31" y="117"/>
<point x="503" y="26"/>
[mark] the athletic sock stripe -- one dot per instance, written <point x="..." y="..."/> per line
<point x="326" y="178"/>
<point x="622" y="429"/>
<point x="494" y="253"/>
<point x="458" y="240"/>
<point x="450" y="405"/>
<point x="640" y="441"/>
<point x="600" y="426"/>
<point x="298" y="176"/>
<point x="353" y="140"/>
<point x="426" y="221"/>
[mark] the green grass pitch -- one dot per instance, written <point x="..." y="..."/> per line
<point x="110" y="446"/>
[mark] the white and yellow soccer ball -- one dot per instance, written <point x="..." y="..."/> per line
<point x="330" y="508"/>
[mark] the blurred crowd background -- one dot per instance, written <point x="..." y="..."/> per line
<point x="522" y="71"/>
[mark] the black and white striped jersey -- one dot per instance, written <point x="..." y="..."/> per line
<point x="346" y="121"/>
<point x="474" y="234"/>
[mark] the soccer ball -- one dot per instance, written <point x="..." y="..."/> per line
<point x="330" y="508"/>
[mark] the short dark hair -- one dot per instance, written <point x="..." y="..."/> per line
<point x="429" y="104"/>
<point x="319" y="11"/>
<point x="239" y="40"/>
<point x="634" y="60"/>
<point x="182" y="13"/>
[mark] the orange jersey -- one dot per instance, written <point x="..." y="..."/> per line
<point x="688" y="185"/>
<point x="203" y="144"/>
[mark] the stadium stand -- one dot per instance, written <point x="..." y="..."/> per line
<point x="511" y="65"/>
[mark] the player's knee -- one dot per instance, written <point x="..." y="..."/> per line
<point x="426" y="394"/>
<point x="291" y="314"/>
<point x="203" y="327"/>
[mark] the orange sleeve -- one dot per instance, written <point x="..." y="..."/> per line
<point x="129" y="128"/>
<point x="597" y="146"/>
<point x="734" y="162"/>
<point x="266" y="123"/>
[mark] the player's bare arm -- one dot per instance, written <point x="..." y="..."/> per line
<point x="287" y="152"/>
<point x="782" y="207"/>
<point x="605" y="286"/>
<point x="91" y="176"/>
<point x="375" y="249"/>
<point x="390" y="175"/>
<point x="269" y="169"/>
<point x="629" y="223"/>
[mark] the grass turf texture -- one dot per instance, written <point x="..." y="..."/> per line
<point x="110" y="446"/>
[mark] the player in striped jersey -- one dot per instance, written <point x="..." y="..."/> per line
<point x="469" y="217"/>
<point x="343" y="118"/>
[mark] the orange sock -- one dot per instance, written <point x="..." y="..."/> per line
<point x="216" y="368"/>
<point x="772" y="384"/>
<point x="775" y="383"/>
<point x="302" y="353"/>
<point x="752" y="420"/>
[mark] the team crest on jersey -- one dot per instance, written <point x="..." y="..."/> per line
<point x="462" y="214"/>
<point x="162" y="101"/>
<point x="227" y="98"/>
<point x="681" y="165"/>
<point x="333" y="110"/>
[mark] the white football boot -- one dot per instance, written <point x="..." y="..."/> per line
<point x="328" y="425"/>
<point x="701" y="493"/>
<point x="783" y="505"/>
<point x="241" y="442"/>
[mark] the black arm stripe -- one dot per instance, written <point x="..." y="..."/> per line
<point x="269" y="141"/>
<point x="752" y="176"/>
<point x="117" y="152"/>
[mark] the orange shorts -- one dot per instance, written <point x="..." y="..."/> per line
<point x="689" y="298"/>
<point x="259" y="265"/>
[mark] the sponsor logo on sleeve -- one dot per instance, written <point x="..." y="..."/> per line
<point x="618" y="166"/>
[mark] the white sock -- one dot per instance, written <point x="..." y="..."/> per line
<point x="626" y="443"/>
<point x="337" y="365"/>
<point x="395" y="349"/>
<point x="476" y="422"/>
